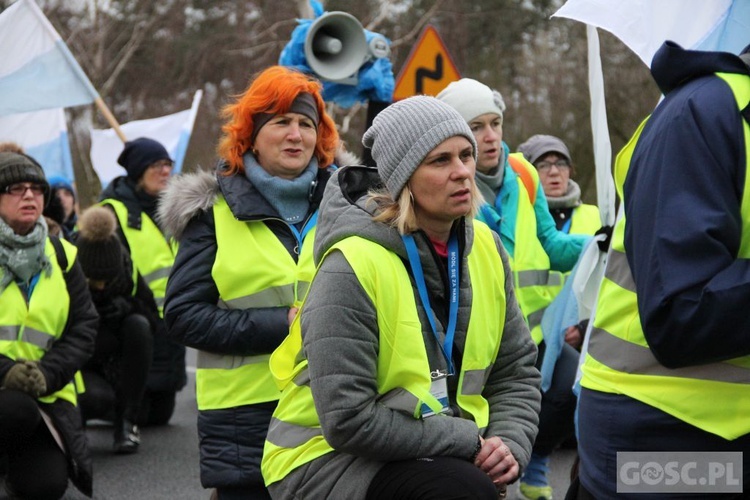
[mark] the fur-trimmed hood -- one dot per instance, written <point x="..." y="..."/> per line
<point x="189" y="194"/>
<point x="185" y="197"/>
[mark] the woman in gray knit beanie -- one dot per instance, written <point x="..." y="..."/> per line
<point x="402" y="396"/>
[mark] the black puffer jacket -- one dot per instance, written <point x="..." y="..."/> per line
<point x="59" y="365"/>
<point x="231" y="439"/>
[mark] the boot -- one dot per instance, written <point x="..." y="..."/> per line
<point x="127" y="437"/>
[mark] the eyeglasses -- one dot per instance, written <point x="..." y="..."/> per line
<point x="161" y="164"/>
<point x="544" y="166"/>
<point x="20" y="189"/>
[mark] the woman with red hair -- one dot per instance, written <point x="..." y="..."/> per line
<point x="245" y="262"/>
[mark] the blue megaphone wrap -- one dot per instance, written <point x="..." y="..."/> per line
<point x="375" y="80"/>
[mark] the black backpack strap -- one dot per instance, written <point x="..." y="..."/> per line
<point x="62" y="257"/>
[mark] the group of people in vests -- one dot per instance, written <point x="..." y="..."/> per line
<point x="375" y="331"/>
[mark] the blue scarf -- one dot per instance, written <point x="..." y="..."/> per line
<point x="290" y="198"/>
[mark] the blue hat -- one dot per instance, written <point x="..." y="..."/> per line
<point x="139" y="154"/>
<point x="60" y="182"/>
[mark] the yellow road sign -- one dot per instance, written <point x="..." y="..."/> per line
<point x="428" y="69"/>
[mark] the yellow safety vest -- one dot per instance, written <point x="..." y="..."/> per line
<point x="152" y="254"/>
<point x="295" y="437"/>
<point x="28" y="331"/>
<point x="585" y="219"/>
<point x="535" y="283"/>
<point x="714" y="397"/>
<point x="252" y="269"/>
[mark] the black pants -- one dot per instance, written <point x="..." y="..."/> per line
<point x="556" y="419"/>
<point x="122" y="359"/>
<point x="257" y="492"/>
<point x="438" y="478"/>
<point x="37" y="467"/>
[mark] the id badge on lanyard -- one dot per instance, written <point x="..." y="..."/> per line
<point x="439" y="378"/>
<point x="439" y="389"/>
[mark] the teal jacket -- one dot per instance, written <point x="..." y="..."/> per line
<point x="563" y="249"/>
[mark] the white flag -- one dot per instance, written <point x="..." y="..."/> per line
<point x="643" y="25"/>
<point x="172" y="131"/>
<point x="37" y="70"/>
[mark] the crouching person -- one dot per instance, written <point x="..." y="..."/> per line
<point x="115" y="376"/>
<point x="47" y="330"/>
<point x="410" y="372"/>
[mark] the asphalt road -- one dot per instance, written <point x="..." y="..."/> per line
<point x="166" y="466"/>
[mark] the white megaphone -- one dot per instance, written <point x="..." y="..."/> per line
<point x="336" y="47"/>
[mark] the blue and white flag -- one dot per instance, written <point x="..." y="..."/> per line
<point x="37" y="70"/>
<point x="643" y="25"/>
<point x="173" y="131"/>
<point x="44" y="136"/>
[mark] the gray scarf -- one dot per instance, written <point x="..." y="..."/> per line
<point x="571" y="198"/>
<point x="22" y="257"/>
<point x="489" y="184"/>
<point x="291" y="198"/>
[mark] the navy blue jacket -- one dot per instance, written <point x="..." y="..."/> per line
<point x="682" y="202"/>
<point x="231" y="439"/>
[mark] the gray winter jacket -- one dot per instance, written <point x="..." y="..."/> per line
<point x="343" y="356"/>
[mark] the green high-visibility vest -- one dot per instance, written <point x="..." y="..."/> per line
<point x="585" y="219"/>
<point x="152" y="254"/>
<point x="403" y="382"/>
<point x="28" y="331"/>
<point x="535" y="283"/>
<point x="714" y="397"/>
<point x="252" y="269"/>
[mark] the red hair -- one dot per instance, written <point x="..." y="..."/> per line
<point x="273" y="91"/>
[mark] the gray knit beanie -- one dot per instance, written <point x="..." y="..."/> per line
<point x="406" y="131"/>
<point x="472" y="98"/>
<point x="18" y="167"/>
<point x="539" y="145"/>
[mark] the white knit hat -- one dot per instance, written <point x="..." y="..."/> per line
<point x="472" y="98"/>
<point x="406" y="131"/>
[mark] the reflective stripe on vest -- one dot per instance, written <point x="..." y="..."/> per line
<point x="536" y="285"/>
<point x="252" y="269"/>
<point x="295" y="437"/>
<point x="28" y="331"/>
<point x="619" y="359"/>
<point x="151" y="253"/>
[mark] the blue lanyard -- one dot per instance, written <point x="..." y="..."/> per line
<point x="453" y="267"/>
<point x="305" y="229"/>
<point x="566" y="227"/>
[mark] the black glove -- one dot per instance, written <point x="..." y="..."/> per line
<point x="115" y="309"/>
<point x="604" y="244"/>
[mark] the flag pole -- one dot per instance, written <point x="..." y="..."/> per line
<point x="110" y="118"/>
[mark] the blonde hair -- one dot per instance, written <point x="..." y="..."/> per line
<point x="401" y="214"/>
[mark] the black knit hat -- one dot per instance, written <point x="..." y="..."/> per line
<point x="99" y="248"/>
<point x="139" y="154"/>
<point x="15" y="168"/>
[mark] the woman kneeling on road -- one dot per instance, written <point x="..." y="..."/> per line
<point x="410" y="371"/>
